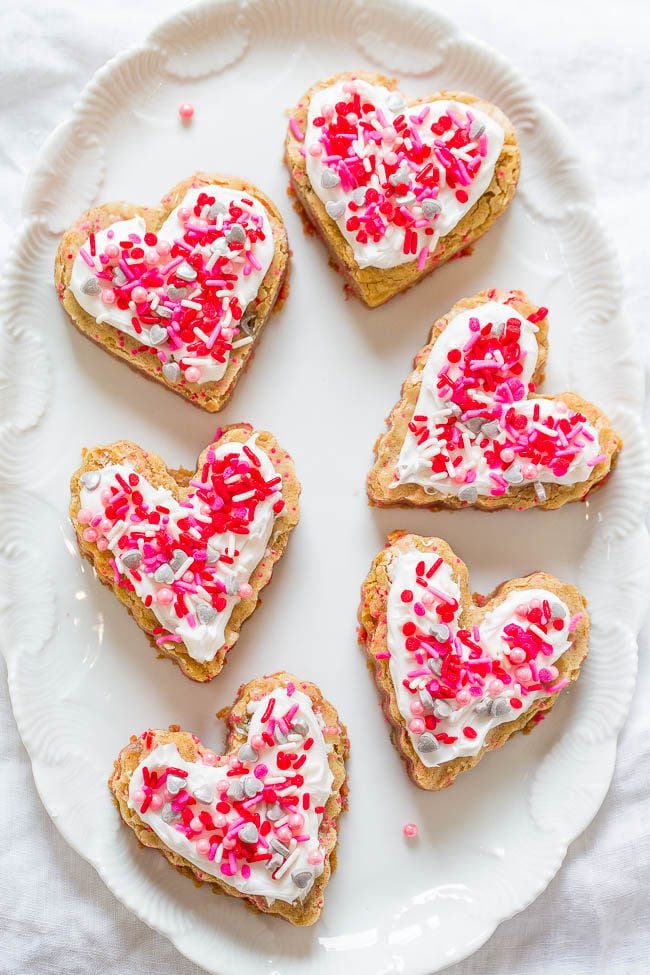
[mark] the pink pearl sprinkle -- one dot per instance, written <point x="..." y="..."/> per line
<point x="517" y="655"/>
<point x="245" y="591"/>
<point x="260" y="770"/>
<point x="209" y="758"/>
<point x="203" y="847"/>
<point x="186" y="110"/>
<point x="90" y="535"/>
<point x="112" y="251"/>
<point x="295" y="821"/>
<point x="507" y="455"/>
<point x="156" y="802"/>
<point x="229" y="842"/>
<point x="84" y="516"/>
<point x="139" y="294"/>
<point x="257" y="742"/>
<point x="138" y="795"/>
<point x="417" y="726"/>
<point x="220" y="821"/>
<point x="193" y="374"/>
<point x="523" y="674"/>
<point x="410" y="831"/>
<point x="463" y="697"/>
<point x="284" y="834"/>
<point x="102" y="544"/>
<point x="163" y="247"/>
<point x="417" y="708"/>
<point x="315" y="856"/>
<point x="529" y="471"/>
<point x="196" y="824"/>
<point x="165" y="596"/>
<point x="108" y="296"/>
<point x="495" y="687"/>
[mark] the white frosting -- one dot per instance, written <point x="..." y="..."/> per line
<point x="246" y="286"/>
<point x="318" y="780"/>
<point x="402" y="574"/>
<point x="204" y="640"/>
<point x="414" y="461"/>
<point x="388" y="252"/>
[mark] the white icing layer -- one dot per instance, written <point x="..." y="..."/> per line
<point x="402" y="663"/>
<point x="414" y="462"/>
<point x="203" y="640"/>
<point x="318" y="780"/>
<point x="389" y="250"/>
<point x="246" y="287"/>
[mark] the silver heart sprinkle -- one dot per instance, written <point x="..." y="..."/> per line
<point x="206" y="613"/>
<point x="174" y="784"/>
<point x="177" y="559"/>
<point x="158" y="335"/>
<point x="248" y="833"/>
<point x="252" y="786"/>
<point x="491" y="429"/>
<point x="468" y="494"/>
<point x="236" y="234"/>
<point x="215" y="210"/>
<point x="395" y="102"/>
<point x="476" y="129"/>
<point x="513" y="474"/>
<point x="174" y="293"/>
<point x="500" y="707"/>
<point x="171" y="371"/>
<point x="91" y="286"/>
<point x="185" y="272"/>
<point x="164" y="574"/>
<point x="119" y="277"/>
<point x="330" y="179"/>
<point x="274" y="811"/>
<point x="439" y="632"/>
<point x="498" y="329"/>
<point x="428" y="742"/>
<point x="132" y="559"/>
<point x="247" y="753"/>
<point x="168" y="813"/>
<point x="212" y="554"/>
<point x="236" y="790"/>
<point x="430" y="208"/>
<point x="91" y="479"/>
<point x="425" y="699"/>
<point x="300" y="727"/>
<point x="441" y="709"/>
<point x="335" y="209"/>
<point x="301" y="878"/>
<point x="274" y="862"/>
<point x="204" y="793"/>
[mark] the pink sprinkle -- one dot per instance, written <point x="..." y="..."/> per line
<point x="573" y="622"/>
<point x="295" y="131"/>
<point x="410" y="831"/>
<point x="596" y="460"/>
<point x="186" y="111"/>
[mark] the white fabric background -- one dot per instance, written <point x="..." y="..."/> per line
<point x="590" y="63"/>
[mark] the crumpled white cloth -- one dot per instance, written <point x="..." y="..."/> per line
<point x="590" y="63"/>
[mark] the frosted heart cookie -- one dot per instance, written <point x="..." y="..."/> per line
<point x="470" y="428"/>
<point x="458" y="674"/>
<point x="180" y="291"/>
<point x="260" y="821"/>
<point x="396" y="186"/>
<point x="187" y="552"/>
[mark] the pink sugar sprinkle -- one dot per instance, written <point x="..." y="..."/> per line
<point x="291" y="688"/>
<point x="596" y="460"/>
<point x="422" y="259"/>
<point x="295" y="131"/>
<point x="558" y="687"/>
<point x="168" y="636"/>
<point x="573" y="622"/>
<point x="87" y="258"/>
<point x="382" y="655"/>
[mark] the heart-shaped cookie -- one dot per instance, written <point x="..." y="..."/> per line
<point x="396" y="187"/>
<point x="260" y="821"/>
<point x="180" y="291"/>
<point x="187" y="552"/>
<point x="469" y="429"/>
<point x="459" y="674"/>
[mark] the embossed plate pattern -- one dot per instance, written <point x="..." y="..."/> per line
<point x="82" y="678"/>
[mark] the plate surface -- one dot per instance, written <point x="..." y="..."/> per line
<point x="82" y="677"/>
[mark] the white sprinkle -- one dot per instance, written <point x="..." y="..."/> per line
<point x="241" y="342"/>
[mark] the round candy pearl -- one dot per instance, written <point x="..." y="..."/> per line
<point x="112" y="251"/>
<point x="555" y="673"/>
<point x="522" y="611"/>
<point x="535" y="604"/>
<point x="165" y="596"/>
<point x="463" y="696"/>
<point x="295" y="822"/>
<point x="233" y="761"/>
<point x="529" y="471"/>
<point x="417" y="726"/>
<point x="244" y="591"/>
<point x="507" y="455"/>
<point x="428" y="599"/>
<point x="327" y="111"/>
<point x="186" y="110"/>
<point x="220" y="821"/>
<point x="156" y="802"/>
<point x="90" y="535"/>
<point x="222" y="785"/>
<point x="139" y="294"/>
<point x="459" y="476"/>
<point x="84" y="516"/>
<point x="108" y="296"/>
<point x="193" y="374"/>
<point x="150" y="257"/>
<point x="138" y="795"/>
<point x="227" y="333"/>
<point x="196" y="825"/>
<point x="284" y="834"/>
<point x="390" y="158"/>
<point x="523" y="674"/>
<point x="203" y="847"/>
<point x="102" y="544"/>
<point x="163" y="247"/>
<point x="315" y="150"/>
<point x="388" y="135"/>
<point x="106" y="496"/>
<point x="106" y="524"/>
<point x="209" y="758"/>
<point x="315" y="857"/>
<point x="495" y="687"/>
<point x="257" y="742"/>
<point x="410" y="831"/>
<point x="260" y="771"/>
<point x="184" y="214"/>
<point x="229" y="842"/>
<point x="188" y="577"/>
<point x="417" y="708"/>
<point x="517" y="656"/>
